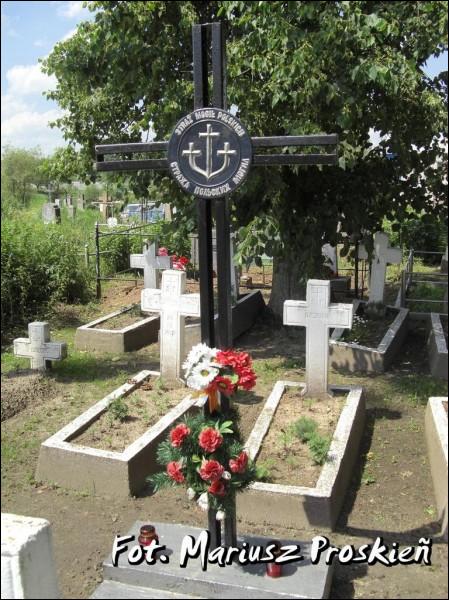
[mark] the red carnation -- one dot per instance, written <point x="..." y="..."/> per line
<point x="217" y="488"/>
<point x="238" y="465"/>
<point x="247" y="379"/>
<point x="211" y="470"/>
<point x="178" y="434"/>
<point x="174" y="471"/>
<point x="162" y="252"/>
<point x="236" y="360"/>
<point x="223" y="385"/>
<point x="210" y="439"/>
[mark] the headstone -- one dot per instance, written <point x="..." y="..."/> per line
<point x="112" y="222"/>
<point x="51" y="213"/>
<point x="71" y="212"/>
<point x="318" y="315"/>
<point x="330" y="257"/>
<point x="69" y="201"/>
<point x="383" y="254"/>
<point x="235" y="273"/>
<point x="80" y="202"/>
<point x="57" y="202"/>
<point x="173" y="305"/>
<point x="28" y="568"/>
<point x="38" y="346"/>
<point x="151" y="264"/>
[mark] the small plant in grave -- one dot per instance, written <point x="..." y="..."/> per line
<point x="305" y="428"/>
<point x="118" y="410"/>
<point x="319" y="447"/>
<point x="287" y="437"/>
<point x="206" y="453"/>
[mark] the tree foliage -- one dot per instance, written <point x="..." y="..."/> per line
<point x="293" y="68"/>
<point x="20" y="170"/>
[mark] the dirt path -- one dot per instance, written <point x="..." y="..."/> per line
<point x="391" y="492"/>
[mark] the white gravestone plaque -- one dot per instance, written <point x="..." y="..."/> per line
<point x="151" y="264"/>
<point x="383" y="254"/>
<point x="173" y="305"/>
<point x="38" y="346"/>
<point x="318" y="315"/>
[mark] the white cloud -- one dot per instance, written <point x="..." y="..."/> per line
<point x="71" y="9"/>
<point x="40" y="43"/>
<point x="28" y="129"/>
<point x="24" y="80"/>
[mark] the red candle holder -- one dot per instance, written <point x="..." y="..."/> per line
<point x="274" y="569"/>
<point x="148" y="535"/>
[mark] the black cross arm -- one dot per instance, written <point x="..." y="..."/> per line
<point x="281" y="141"/>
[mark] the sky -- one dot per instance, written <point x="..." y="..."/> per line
<point x="30" y="29"/>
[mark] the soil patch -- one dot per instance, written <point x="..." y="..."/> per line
<point x="367" y="330"/>
<point x="287" y="458"/>
<point x="19" y="391"/>
<point x="126" y="318"/>
<point x="146" y="406"/>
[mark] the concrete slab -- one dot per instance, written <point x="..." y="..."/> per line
<point x="436" y="438"/>
<point x="298" y="506"/>
<point x="133" y="337"/>
<point x="113" y="589"/>
<point x="102" y="471"/>
<point x="300" y="579"/>
<point x="357" y="358"/>
<point x="437" y="347"/>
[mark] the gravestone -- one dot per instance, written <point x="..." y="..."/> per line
<point x="80" y="202"/>
<point x="51" y="213"/>
<point x="152" y="264"/>
<point x="318" y="315"/>
<point x="38" y="346"/>
<point x="330" y="257"/>
<point x="57" y="202"/>
<point x="173" y="305"/>
<point x="71" y="211"/>
<point x="28" y="568"/>
<point x="383" y="254"/>
<point x="112" y="222"/>
<point x="69" y="201"/>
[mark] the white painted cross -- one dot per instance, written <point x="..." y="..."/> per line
<point x="383" y="254"/>
<point x="173" y="305"/>
<point x="38" y="346"/>
<point x="317" y="314"/>
<point x="151" y="264"/>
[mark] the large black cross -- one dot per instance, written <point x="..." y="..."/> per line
<point x="236" y="144"/>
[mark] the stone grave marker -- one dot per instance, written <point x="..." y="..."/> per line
<point x="173" y="305"/>
<point x="57" y="202"/>
<point x="80" y="202"/>
<point x="318" y="315"/>
<point x="152" y="264"/>
<point x="38" y="346"/>
<point x="330" y="257"/>
<point x="71" y="211"/>
<point x="383" y="254"/>
<point x="51" y="213"/>
<point x="28" y="568"/>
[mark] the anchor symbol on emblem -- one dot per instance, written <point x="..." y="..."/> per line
<point x="193" y="154"/>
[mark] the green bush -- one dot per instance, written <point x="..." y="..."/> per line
<point x="304" y="428"/>
<point x="118" y="410"/>
<point x="319" y="447"/>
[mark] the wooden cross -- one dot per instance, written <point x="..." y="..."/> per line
<point x="318" y="315"/>
<point x="209" y="155"/>
<point x="173" y="305"/>
<point x="38" y="346"/>
<point x="382" y="255"/>
<point x="151" y="264"/>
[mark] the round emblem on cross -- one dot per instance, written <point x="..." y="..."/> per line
<point x="209" y="153"/>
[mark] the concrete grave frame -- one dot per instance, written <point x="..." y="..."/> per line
<point x="298" y="506"/>
<point x="437" y="346"/>
<point x="132" y="337"/>
<point x="354" y="357"/>
<point x="436" y="438"/>
<point x="244" y="314"/>
<point x="100" y="471"/>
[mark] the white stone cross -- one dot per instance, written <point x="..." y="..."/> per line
<point x="38" y="346"/>
<point x="317" y="314"/>
<point x="173" y="305"/>
<point x="151" y="264"/>
<point x="383" y="254"/>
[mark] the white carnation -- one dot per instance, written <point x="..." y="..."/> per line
<point x="203" y="501"/>
<point x="220" y="515"/>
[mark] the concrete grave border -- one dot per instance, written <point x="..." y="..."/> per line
<point x="102" y="471"/>
<point x="357" y="358"/>
<point x="436" y="438"/>
<point x="300" y="506"/>
<point x="132" y="337"/>
<point x="437" y="346"/>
